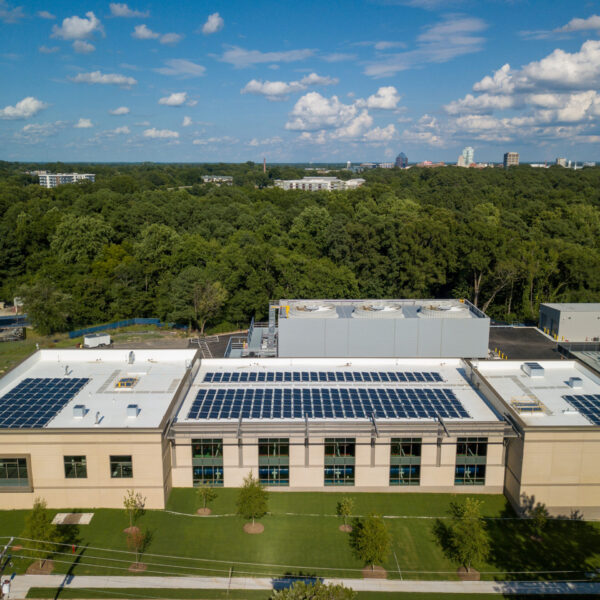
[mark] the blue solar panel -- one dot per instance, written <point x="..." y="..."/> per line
<point x="328" y="403"/>
<point x="34" y="401"/>
<point x="322" y="376"/>
<point x="588" y="405"/>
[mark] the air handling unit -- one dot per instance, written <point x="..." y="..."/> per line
<point x="382" y="328"/>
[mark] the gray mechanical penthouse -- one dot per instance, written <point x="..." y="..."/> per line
<point x="382" y="329"/>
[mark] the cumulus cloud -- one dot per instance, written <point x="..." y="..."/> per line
<point x="143" y="32"/>
<point x="454" y="35"/>
<point x="160" y="133"/>
<point x="215" y="140"/>
<point x="279" y="90"/>
<point x="576" y="25"/>
<point x="386" y="98"/>
<point x="34" y="132"/>
<point x="213" y="24"/>
<point x="187" y="121"/>
<point x="485" y="103"/>
<point x="83" y="124"/>
<point x="240" y="57"/>
<point x="121" y="110"/>
<point x="175" y="99"/>
<point x="77" y="28"/>
<point x="170" y="38"/>
<point x="338" y="57"/>
<point x="122" y="10"/>
<point x="266" y="141"/>
<point x="104" y="79"/>
<point x="47" y="50"/>
<point x="10" y="14"/>
<point x="181" y="67"/>
<point x="23" y="109"/>
<point x="44" y="14"/>
<point x="121" y="130"/>
<point x="381" y="134"/>
<point x="83" y="47"/>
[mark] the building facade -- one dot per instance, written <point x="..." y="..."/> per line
<point x="316" y="184"/>
<point x="51" y="180"/>
<point x="511" y="159"/>
<point x="571" y="322"/>
<point x="401" y="161"/>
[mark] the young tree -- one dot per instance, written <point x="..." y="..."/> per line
<point x="136" y="540"/>
<point x="344" y="509"/>
<point x="469" y="539"/>
<point x="252" y="502"/>
<point x="206" y="495"/>
<point x="134" y="504"/>
<point x="314" y="591"/>
<point x="371" y="540"/>
<point x="41" y="534"/>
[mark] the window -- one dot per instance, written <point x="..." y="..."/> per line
<point x="274" y="461"/>
<point x="121" y="467"/>
<point x="339" y="461"/>
<point x="13" y="473"/>
<point x="75" y="467"/>
<point x="471" y="455"/>
<point x="405" y="461"/>
<point x="207" y="462"/>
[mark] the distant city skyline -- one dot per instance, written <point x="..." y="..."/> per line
<point x="321" y="82"/>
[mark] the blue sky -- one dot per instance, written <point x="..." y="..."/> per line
<point x="299" y="81"/>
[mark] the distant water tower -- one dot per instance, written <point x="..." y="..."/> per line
<point x="348" y="164"/>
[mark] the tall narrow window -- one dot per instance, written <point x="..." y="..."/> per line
<point x="339" y="461"/>
<point x="471" y="456"/>
<point x="274" y="461"/>
<point x="207" y="462"/>
<point x="405" y="461"/>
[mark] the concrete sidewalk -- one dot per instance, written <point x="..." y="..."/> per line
<point x="21" y="584"/>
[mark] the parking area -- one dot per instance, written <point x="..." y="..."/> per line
<point x="523" y="343"/>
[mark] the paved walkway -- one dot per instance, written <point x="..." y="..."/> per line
<point x="22" y="583"/>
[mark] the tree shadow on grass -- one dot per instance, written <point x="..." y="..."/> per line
<point x="568" y="544"/>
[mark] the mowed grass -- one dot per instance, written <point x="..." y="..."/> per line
<point x="302" y="538"/>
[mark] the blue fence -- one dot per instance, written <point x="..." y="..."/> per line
<point x="115" y="325"/>
<point x="14" y="321"/>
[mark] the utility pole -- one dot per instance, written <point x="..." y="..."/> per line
<point x="5" y="586"/>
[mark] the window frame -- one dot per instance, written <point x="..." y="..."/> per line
<point x="119" y="464"/>
<point x="82" y="464"/>
<point x="19" y="488"/>
<point x="405" y="461"/>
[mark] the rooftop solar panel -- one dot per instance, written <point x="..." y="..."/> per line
<point x="588" y="405"/>
<point x="35" y="401"/>
<point x="318" y="403"/>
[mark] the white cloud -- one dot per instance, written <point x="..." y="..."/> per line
<point x="354" y="128"/>
<point x="485" y="103"/>
<point x="187" y="121"/>
<point x="279" y="90"/>
<point x="104" y="79"/>
<point x="381" y="134"/>
<point x="175" y="99"/>
<point x="23" y="109"/>
<point x="213" y="24"/>
<point x="47" y="50"/>
<point x="121" y="110"/>
<point x="10" y="14"/>
<point x="240" y="57"/>
<point x="83" y="124"/>
<point x="35" y="132"/>
<point x="160" y="133"/>
<point x="180" y="67"/>
<point x="386" y="98"/>
<point x="313" y="111"/>
<point x="121" y="130"/>
<point x="265" y="142"/>
<point x="215" y="140"/>
<point x="142" y="32"/>
<point x="454" y="36"/>
<point x="83" y="47"/>
<point x="44" y="14"/>
<point x="122" y="10"/>
<point x="76" y="28"/>
<point x="592" y="23"/>
<point x="500" y="82"/>
<point x="171" y="38"/>
<point x="338" y="57"/>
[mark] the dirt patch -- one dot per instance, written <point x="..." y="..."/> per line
<point x="345" y="528"/>
<point x="17" y="548"/>
<point x="470" y="575"/>
<point x="137" y="568"/>
<point x="376" y="572"/>
<point x="45" y="568"/>
<point x="254" y="527"/>
<point x="204" y="512"/>
<point x="131" y="530"/>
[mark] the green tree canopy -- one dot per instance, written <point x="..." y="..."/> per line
<point x="371" y="540"/>
<point x="252" y="501"/>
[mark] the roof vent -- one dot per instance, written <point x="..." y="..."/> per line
<point x="79" y="411"/>
<point x="132" y="411"/>
<point x="533" y="369"/>
<point x="576" y="382"/>
<point x="131" y="358"/>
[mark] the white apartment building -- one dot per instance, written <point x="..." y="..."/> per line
<point x="51" y="180"/>
<point x="316" y="184"/>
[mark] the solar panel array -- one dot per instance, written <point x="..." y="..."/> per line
<point x="322" y="376"/>
<point x="326" y="403"/>
<point x="34" y="401"/>
<point x="588" y="405"/>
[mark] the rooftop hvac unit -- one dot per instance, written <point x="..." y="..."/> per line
<point x="378" y="310"/>
<point x="132" y="411"/>
<point x="533" y="369"/>
<point x="316" y="310"/>
<point x="79" y="411"/>
<point x="576" y="382"/>
<point x="444" y="310"/>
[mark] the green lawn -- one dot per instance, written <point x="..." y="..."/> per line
<point x="308" y="542"/>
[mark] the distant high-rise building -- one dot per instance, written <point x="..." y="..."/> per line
<point x="461" y="161"/>
<point x="511" y="159"/>
<point x="561" y="162"/>
<point x="401" y="161"/>
<point x="468" y="155"/>
<point x="349" y="164"/>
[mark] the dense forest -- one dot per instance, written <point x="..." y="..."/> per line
<point x="134" y="245"/>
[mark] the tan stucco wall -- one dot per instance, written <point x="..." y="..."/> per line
<point x="98" y="490"/>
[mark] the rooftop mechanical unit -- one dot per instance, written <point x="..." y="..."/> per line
<point x="533" y="369"/>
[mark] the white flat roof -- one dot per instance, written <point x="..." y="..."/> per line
<point x="158" y="374"/>
<point x="512" y="383"/>
<point x="574" y="306"/>
<point x="451" y="372"/>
